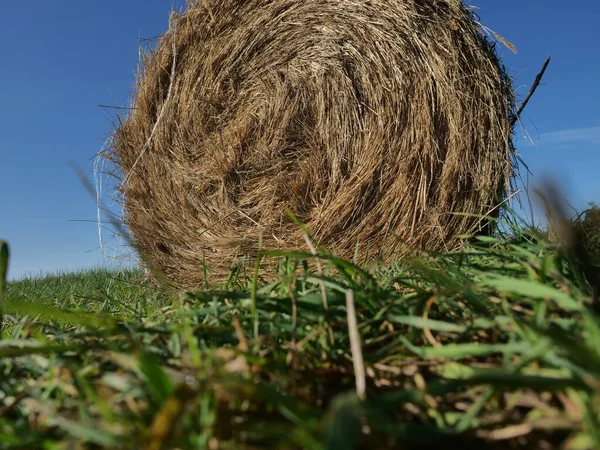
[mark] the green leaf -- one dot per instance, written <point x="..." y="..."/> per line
<point x="509" y="380"/>
<point x="457" y="351"/>
<point x="161" y="385"/>
<point x="420" y="322"/>
<point x="574" y="349"/>
<point x="531" y="289"/>
<point x="86" y="433"/>
<point x="455" y="371"/>
<point x="13" y="352"/>
<point x="343" y="422"/>
<point x="26" y="307"/>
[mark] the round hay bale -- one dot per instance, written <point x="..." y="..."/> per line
<point x="373" y="121"/>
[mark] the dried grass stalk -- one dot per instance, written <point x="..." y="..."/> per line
<point x="372" y="120"/>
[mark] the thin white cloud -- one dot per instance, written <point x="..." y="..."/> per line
<point x="589" y="135"/>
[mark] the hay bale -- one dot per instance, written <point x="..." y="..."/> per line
<point x="372" y="120"/>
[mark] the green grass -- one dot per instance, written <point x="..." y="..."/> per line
<point x="494" y="347"/>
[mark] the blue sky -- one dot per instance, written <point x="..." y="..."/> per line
<point x="61" y="58"/>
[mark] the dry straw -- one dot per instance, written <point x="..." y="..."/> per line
<point x="373" y="121"/>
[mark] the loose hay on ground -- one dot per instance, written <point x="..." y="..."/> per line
<point x="373" y="121"/>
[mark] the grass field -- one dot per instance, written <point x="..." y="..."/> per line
<point x="494" y="347"/>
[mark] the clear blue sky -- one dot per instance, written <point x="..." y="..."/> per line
<point x="61" y="58"/>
